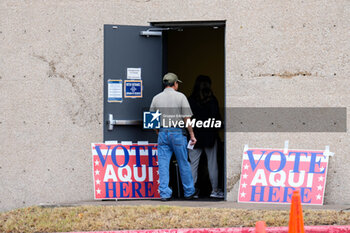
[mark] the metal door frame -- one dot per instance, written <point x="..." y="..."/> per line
<point x="196" y="24"/>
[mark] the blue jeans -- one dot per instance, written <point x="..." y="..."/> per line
<point x="173" y="140"/>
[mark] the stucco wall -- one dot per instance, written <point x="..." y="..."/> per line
<point x="51" y="69"/>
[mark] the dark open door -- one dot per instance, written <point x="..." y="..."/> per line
<point x="132" y="76"/>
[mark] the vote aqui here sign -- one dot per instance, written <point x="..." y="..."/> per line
<point x="271" y="175"/>
<point x="125" y="171"/>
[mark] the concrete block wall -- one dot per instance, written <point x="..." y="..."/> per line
<point x="278" y="53"/>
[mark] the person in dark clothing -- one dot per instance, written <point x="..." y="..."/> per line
<point x="205" y="106"/>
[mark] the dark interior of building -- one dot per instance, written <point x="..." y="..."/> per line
<point x="189" y="52"/>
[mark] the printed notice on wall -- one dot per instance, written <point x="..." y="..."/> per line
<point x="115" y="91"/>
<point x="123" y="171"/>
<point x="271" y="175"/>
<point x="133" y="73"/>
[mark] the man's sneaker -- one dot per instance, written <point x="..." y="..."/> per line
<point x="196" y="194"/>
<point x="193" y="196"/>
<point x="165" y="198"/>
<point x="217" y="194"/>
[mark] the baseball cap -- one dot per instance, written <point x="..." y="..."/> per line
<point x="171" y="78"/>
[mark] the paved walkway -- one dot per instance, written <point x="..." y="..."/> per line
<point x="206" y="203"/>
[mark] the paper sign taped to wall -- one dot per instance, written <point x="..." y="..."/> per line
<point x="271" y="175"/>
<point x="115" y="90"/>
<point x="133" y="73"/>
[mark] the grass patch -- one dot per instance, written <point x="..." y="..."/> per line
<point x="104" y="218"/>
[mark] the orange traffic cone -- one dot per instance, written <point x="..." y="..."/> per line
<point x="260" y="227"/>
<point x="296" y="222"/>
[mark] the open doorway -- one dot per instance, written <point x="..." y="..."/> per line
<point x="192" y="49"/>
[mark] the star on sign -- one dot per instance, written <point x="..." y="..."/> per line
<point x="157" y="172"/>
<point x="319" y="188"/>
<point x="156" y="115"/>
<point x="98" y="181"/>
<point x="97" y="172"/>
<point x="244" y="185"/>
<point x="97" y="162"/>
<point x="158" y="181"/>
<point x="98" y="191"/>
<point x="158" y="191"/>
<point x="245" y="176"/>
<point x="246" y="167"/>
<point x="243" y="194"/>
<point x="320" y="178"/>
<point x="318" y="197"/>
<point x="321" y="169"/>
